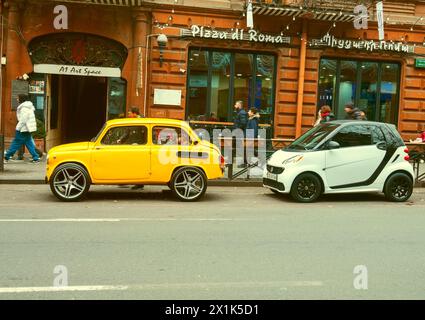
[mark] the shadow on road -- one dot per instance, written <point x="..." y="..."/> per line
<point x="126" y="194"/>
<point x="338" y="198"/>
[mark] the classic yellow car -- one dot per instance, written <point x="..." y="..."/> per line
<point x="136" y="151"/>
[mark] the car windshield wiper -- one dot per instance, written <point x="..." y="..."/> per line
<point x="297" y="147"/>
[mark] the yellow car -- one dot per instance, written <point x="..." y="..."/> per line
<point x="136" y="151"/>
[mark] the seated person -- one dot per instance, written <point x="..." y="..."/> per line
<point x="419" y="139"/>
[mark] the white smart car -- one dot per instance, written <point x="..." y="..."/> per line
<point x="343" y="157"/>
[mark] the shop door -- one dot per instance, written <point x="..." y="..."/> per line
<point x="84" y="107"/>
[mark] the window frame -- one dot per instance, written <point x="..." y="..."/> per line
<point x="358" y="82"/>
<point x="153" y="127"/>
<point x="231" y="101"/>
<point x="124" y="145"/>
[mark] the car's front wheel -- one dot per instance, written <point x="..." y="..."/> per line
<point x="306" y="188"/>
<point x="188" y="183"/>
<point x="70" y="182"/>
<point x="399" y="187"/>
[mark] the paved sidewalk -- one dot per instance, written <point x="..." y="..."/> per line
<point x="23" y="172"/>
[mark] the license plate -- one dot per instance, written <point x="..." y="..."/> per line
<point x="271" y="176"/>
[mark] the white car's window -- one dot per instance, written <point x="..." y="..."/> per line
<point x="377" y="135"/>
<point x="126" y="135"/>
<point x="354" y="136"/>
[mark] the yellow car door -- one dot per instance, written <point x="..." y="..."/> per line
<point x="169" y="146"/>
<point x="122" y="155"/>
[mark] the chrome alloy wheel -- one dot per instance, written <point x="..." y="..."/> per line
<point x="70" y="182"/>
<point x="189" y="184"/>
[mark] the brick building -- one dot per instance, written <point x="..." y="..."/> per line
<point x="299" y="56"/>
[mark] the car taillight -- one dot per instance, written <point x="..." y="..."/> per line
<point x="406" y="150"/>
<point x="407" y="158"/>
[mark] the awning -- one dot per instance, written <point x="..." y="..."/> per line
<point x="296" y="12"/>
<point x="123" y="3"/>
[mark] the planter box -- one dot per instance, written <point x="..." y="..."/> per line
<point x="39" y="143"/>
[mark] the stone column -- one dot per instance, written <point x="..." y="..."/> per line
<point x="137" y="54"/>
<point x="301" y="78"/>
<point x="13" y="46"/>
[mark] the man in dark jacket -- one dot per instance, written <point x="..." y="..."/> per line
<point x="241" y="117"/>
<point x="353" y="113"/>
<point x="252" y="125"/>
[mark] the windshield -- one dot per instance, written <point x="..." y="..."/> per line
<point x="314" y="136"/>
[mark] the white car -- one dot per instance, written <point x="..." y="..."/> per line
<point x="343" y="157"/>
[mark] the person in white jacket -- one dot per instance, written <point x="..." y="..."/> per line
<point x="26" y="125"/>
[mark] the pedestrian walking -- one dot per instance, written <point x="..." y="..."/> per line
<point x="26" y="125"/>
<point x="353" y="113"/>
<point x="324" y="115"/>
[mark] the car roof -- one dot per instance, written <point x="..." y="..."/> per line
<point x="341" y="122"/>
<point x="159" y="121"/>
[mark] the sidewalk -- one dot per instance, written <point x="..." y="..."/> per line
<point x="24" y="172"/>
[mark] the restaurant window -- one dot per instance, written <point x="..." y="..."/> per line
<point x="372" y="86"/>
<point x="116" y="98"/>
<point x="217" y="79"/>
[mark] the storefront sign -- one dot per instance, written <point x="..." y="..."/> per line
<point x="167" y="97"/>
<point x="367" y="45"/>
<point x="420" y="63"/>
<point x="236" y="34"/>
<point x="77" y="70"/>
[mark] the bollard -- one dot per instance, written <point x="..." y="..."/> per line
<point x="1" y="152"/>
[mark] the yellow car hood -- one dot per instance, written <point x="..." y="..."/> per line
<point x="78" y="146"/>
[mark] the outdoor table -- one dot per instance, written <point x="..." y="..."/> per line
<point x="417" y="154"/>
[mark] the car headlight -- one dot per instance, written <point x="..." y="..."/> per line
<point x="294" y="159"/>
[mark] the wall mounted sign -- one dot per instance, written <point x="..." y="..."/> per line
<point x="167" y="97"/>
<point x="77" y="70"/>
<point x="420" y="63"/>
<point x="237" y="34"/>
<point x="18" y="87"/>
<point x="367" y="45"/>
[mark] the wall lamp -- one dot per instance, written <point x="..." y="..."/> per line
<point x="162" y="43"/>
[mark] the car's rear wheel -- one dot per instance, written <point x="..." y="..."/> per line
<point x="70" y="182"/>
<point x="306" y="188"/>
<point x="188" y="183"/>
<point x="399" y="187"/>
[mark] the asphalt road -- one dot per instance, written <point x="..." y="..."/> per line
<point x="238" y="243"/>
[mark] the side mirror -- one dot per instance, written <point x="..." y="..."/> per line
<point x="382" y="145"/>
<point x="195" y="143"/>
<point x="333" y="145"/>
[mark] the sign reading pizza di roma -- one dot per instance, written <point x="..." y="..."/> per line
<point x="236" y="34"/>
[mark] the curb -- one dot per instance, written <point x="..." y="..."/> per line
<point x="21" y="181"/>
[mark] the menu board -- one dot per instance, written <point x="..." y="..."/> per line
<point x="36" y="87"/>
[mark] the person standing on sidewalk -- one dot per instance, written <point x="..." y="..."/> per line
<point x="240" y="121"/>
<point x="26" y="125"/>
